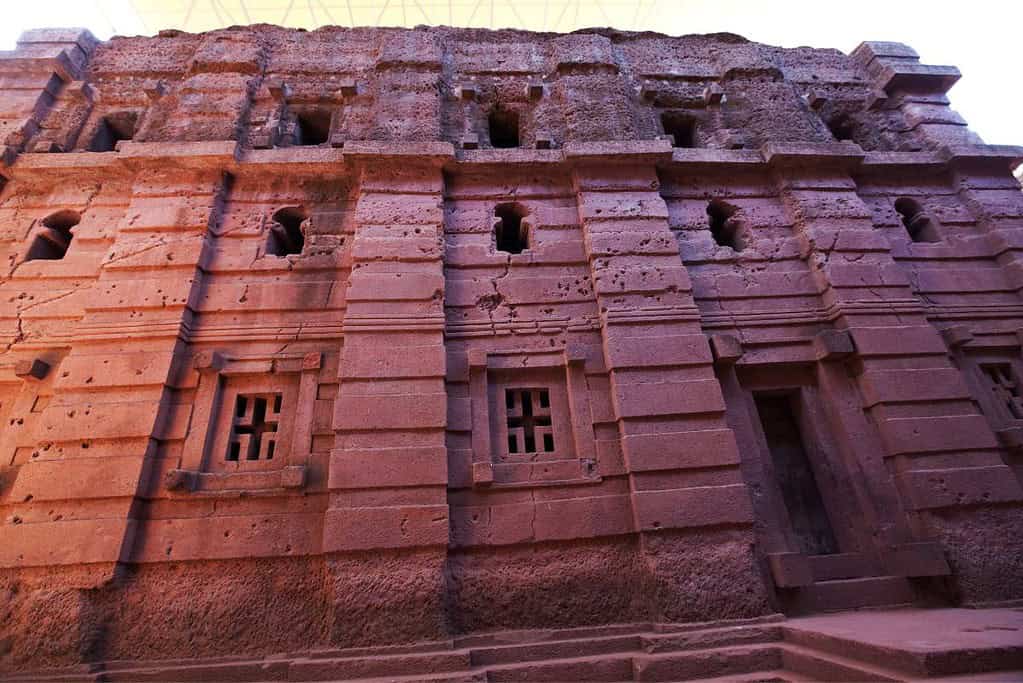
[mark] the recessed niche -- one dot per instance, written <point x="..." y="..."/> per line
<point x="510" y="233"/>
<point x="312" y="127"/>
<point x="681" y="127"/>
<point x="725" y="227"/>
<point x="112" y="129"/>
<point x="918" y="224"/>
<point x="53" y="239"/>
<point x="504" y="128"/>
<point x="841" y="127"/>
<point x="286" y="235"/>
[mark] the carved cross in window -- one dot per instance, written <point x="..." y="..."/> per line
<point x="529" y="421"/>
<point x="1005" y="387"/>
<point x="254" y="427"/>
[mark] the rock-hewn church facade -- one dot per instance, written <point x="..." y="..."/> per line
<point x="356" y="338"/>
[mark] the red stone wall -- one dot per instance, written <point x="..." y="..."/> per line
<point x="272" y="396"/>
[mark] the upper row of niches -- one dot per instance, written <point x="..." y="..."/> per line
<point x="414" y="102"/>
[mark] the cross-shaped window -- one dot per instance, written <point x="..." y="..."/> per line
<point x="1005" y="387"/>
<point x="254" y="427"/>
<point x="529" y="421"/>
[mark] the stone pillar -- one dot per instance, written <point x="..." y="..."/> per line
<point x="986" y="186"/>
<point x="387" y="523"/>
<point x="934" y="444"/>
<point x="916" y="90"/>
<point x="45" y="62"/>
<point x="689" y="501"/>
<point x="85" y="464"/>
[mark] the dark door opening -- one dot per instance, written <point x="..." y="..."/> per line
<point x="800" y="493"/>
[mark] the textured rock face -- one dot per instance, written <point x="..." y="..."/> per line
<point x="359" y="337"/>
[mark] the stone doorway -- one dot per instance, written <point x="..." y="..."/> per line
<point x="808" y="517"/>
<point x="819" y="530"/>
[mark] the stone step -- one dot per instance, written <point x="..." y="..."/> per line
<point x="846" y="594"/>
<point x="257" y="670"/>
<point x="712" y="638"/>
<point x="559" y="649"/>
<point x="917" y="663"/>
<point x="326" y="669"/>
<point x="773" y="676"/>
<point x="714" y="662"/>
<point x="819" y="666"/>
<point x="842" y="566"/>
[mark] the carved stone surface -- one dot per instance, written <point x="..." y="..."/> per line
<point x="364" y="337"/>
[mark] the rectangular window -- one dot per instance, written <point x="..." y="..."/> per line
<point x="254" y="427"/>
<point x="528" y="412"/>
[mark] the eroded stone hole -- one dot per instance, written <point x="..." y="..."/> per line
<point x="510" y="232"/>
<point x="53" y="239"/>
<point x="919" y="225"/>
<point x="112" y="129"/>
<point x="286" y="236"/>
<point x="312" y="127"/>
<point x="725" y="227"/>
<point x="681" y="127"/>
<point x="841" y="127"/>
<point x="504" y="128"/>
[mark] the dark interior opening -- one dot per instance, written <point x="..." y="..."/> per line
<point x="509" y="231"/>
<point x="53" y="239"/>
<point x="112" y="129"/>
<point x="725" y="227"/>
<point x="918" y="224"/>
<point x="841" y="127"/>
<point x="286" y="232"/>
<point x="504" y="128"/>
<point x="800" y="493"/>
<point x="681" y="127"/>
<point x="312" y="127"/>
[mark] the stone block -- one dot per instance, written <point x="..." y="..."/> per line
<point x="377" y="528"/>
<point x="727" y="349"/>
<point x="364" y="468"/>
<point x="668" y="398"/>
<point x="680" y="450"/>
<point x="918" y="559"/>
<point x="36" y="368"/>
<point x="693" y="507"/>
<point x="178" y="480"/>
<point x="1011" y="439"/>
<point x="482" y="473"/>
<point x="466" y="91"/>
<point x="833" y="345"/>
<point x="790" y="570"/>
<point x="956" y="336"/>
<point x="713" y="94"/>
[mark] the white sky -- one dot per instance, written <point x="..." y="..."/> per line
<point x="981" y="37"/>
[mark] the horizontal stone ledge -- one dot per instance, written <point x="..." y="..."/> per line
<point x="897" y="160"/>
<point x="228" y="154"/>
<point x="616" y="150"/>
<point x="371" y="149"/>
<point x="846" y="154"/>
<point x="187" y="153"/>
<point x="995" y="154"/>
<point x="904" y="75"/>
